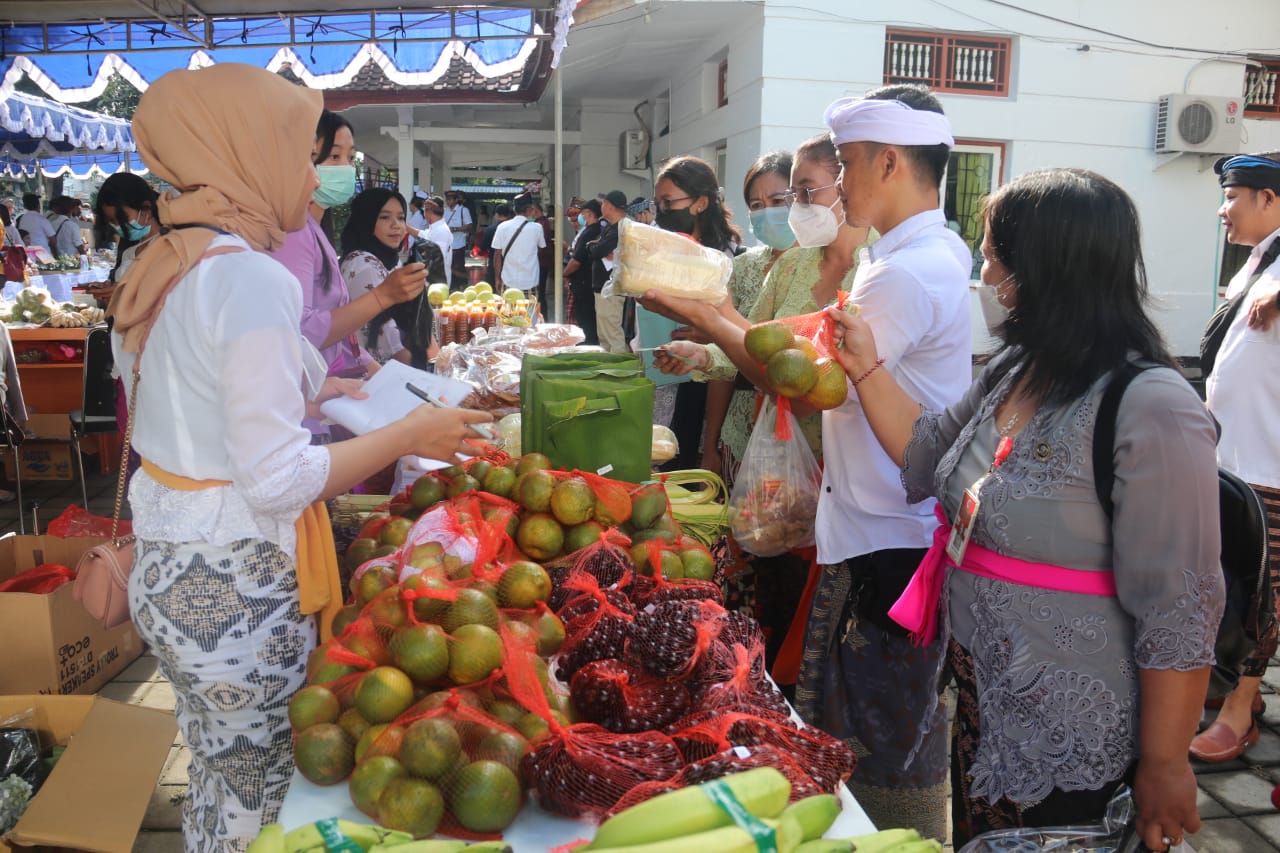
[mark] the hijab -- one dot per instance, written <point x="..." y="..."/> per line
<point x="235" y="141"/>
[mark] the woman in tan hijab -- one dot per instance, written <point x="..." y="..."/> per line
<point x="229" y="473"/>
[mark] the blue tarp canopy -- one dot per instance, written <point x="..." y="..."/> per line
<point x="54" y="139"/>
<point x="72" y="60"/>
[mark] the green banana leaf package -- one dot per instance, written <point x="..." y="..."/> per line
<point x="591" y="411"/>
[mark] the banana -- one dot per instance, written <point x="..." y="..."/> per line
<point x="429" y="845"/>
<point x="688" y="812"/>
<point x="726" y="839"/>
<point x="826" y="845"/>
<point x="269" y="840"/>
<point x="884" y="841"/>
<point x="498" y="846"/>
<point x="924" y="845"/>
<point x="311" y="839"/>
<point x="814" y="814"/>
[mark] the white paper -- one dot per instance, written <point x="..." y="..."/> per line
<point x="389" y="400"/>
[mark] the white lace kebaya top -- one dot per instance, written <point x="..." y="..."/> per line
<point x="1056" y="672"/>
<point x="221" y="397"/>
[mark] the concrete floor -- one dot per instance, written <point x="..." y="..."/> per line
<point x="1234" y="798"/>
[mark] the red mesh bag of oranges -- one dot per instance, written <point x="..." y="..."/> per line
<point x="795" y="353"/>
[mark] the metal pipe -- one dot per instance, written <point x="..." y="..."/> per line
<point x="558" y="170"/>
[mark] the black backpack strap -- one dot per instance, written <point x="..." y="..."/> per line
<point x="1104" y="434"/>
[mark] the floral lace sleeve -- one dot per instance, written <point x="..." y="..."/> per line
<point x="1165" y="528"/>
<point x="932" y="435"/>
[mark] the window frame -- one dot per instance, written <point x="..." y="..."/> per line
<point x="941" y="77"/>
<point x="999" y="151"/>
<point x="1269" y="111"/>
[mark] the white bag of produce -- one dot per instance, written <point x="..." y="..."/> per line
<point x="650" y="258"/>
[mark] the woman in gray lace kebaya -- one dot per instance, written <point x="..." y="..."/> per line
<point x="1064" y="695"/>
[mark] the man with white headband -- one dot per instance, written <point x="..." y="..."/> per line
<point x="862" y="679"/>
<point x="1243" y="392"/>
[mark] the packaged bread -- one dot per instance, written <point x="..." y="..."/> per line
<point x="650" y="258"/>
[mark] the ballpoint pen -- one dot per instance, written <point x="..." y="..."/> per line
<point x="425" y="396"/>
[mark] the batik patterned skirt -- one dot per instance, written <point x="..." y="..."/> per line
<point x="225" y="626"/>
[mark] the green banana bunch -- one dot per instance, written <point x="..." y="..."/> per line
<point x="688" y="812"/>
<point x="270" y="840"/>
<point x="311" y="839"/>
<point x="726" y="839"/>
<point x="826" y="845"/>
<point x="893" y="841"/>
<point x="814" y="814"/>
<point x="433" y="845"/>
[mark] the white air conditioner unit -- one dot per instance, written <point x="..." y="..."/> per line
<point x="1204" y="124"/>
<point x="632" y="148"/>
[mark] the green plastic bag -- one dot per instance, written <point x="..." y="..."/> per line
<point x="589" y="411"/>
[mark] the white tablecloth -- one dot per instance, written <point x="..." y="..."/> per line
<point x="59" y="285"/>
<point x="533" y="831"/>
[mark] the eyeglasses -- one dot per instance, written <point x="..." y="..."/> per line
<point x="804" y="195"/>
<point x="664" y="204"/>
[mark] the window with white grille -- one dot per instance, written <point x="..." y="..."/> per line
<point x="1262" y="88"/>
<point x="948" y="62"/>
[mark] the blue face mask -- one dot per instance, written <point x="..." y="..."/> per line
<point x="135" y="232"/>
<point x="582" y="221"/>
<point x="771" y="227"/>
<point x="337" y="185"/>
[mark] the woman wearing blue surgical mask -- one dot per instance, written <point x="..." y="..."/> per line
<point x="124" y="213"/>
<point x="330" y="317"/>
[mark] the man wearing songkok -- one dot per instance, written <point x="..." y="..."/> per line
<point x="1243" y="392"/>
<point x="862" y="679"/>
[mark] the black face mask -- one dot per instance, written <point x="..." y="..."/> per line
<point x="675" y="220"/>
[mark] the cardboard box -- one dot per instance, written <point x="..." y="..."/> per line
<point x="51" y="644"/>
<point x="97" y="794"/>
<point x="46" y="454"/>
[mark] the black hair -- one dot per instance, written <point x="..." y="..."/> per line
<point x="357" y="234"/>
<point x="31" y="201"/>
<point x="822" y="150"/>
<point x="1072" y="242"/>
<point x="62" y="204"/>
<point x="773" y="163"/>
<point x="326" y="132"/>
<point x="695" y="177"/>
<point x="930" y="160"/>
<point x="521" y="203"/>
<point x="504" y="210"/>
<point x="121" y="190"/>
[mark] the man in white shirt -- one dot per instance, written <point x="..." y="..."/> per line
<point x="458" y="218"/>
<point x="32" y="224"/>
<point x="438" y="232"/>
<point x="861" y="678"/>
<point x="516" y="244"/>
<point x="65" y="220"/>
<point x="1243" y="392"/>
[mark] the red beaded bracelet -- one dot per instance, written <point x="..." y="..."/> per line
<point x="874" y="368"/>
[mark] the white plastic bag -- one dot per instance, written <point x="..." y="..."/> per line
<point x="650" y="258"/>
<point x="775" y="497"/>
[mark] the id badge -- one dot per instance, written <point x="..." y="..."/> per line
<point x="962" y="527"/>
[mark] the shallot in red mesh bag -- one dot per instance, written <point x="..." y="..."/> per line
<point x="624" y="698"/>
<point x="605" y="559"/>
<point x="735" y="674"/>
<point x="597" y="623"/>
<point x="669" y="639"/>
<point x="827" y="759"/>
<point x="581" y="770"/>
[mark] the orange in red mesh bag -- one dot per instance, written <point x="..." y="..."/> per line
<point x="655" y="582"/>
<point x="443" y="766"/>
<point x="796" y="353"/>
<point x="581" y="770"/>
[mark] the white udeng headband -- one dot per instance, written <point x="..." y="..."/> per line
<point x="887" y="122"/>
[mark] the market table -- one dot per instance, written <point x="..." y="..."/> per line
<point x="61" y="284"/>
<point x="533" y="830"/>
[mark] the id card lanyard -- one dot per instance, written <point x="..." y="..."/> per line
<point x="971" y="502"/>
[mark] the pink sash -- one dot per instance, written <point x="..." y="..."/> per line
<point x="917" y="608"/>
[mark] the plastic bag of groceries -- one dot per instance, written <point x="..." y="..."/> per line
<point x="775" y="497"/>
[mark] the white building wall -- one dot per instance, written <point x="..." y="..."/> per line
<point x="1093" y="108"/>
<point x="602" y="123"/>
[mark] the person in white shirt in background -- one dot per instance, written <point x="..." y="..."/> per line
<point x="33" y="225"/>
<point x="458" y="218"/>
<point x="516" y="244"/>
<point x="1242" y="390"/>
<point x="65" y="219"/>
<point x="438" y="232"/>
<point x="217" y="590"/>
<point x="417" y="221"/>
